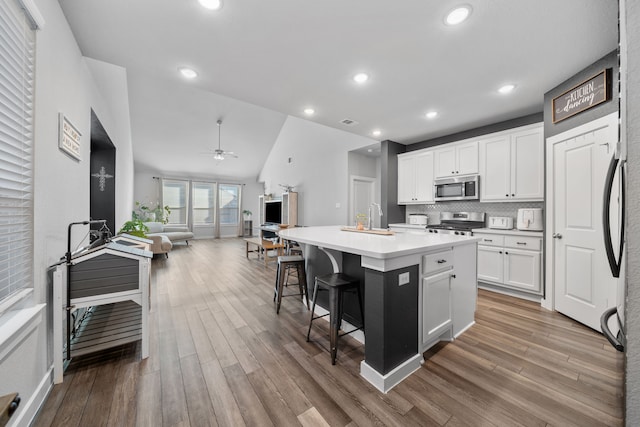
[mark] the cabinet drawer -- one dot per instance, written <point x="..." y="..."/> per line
<point x="490" y="239"/>
<point x="523" y="242"/>
<point x="437" y="262"/>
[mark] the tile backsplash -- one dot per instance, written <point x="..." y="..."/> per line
<point x="490" y="209"/>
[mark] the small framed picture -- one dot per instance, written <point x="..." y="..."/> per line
<point x="68" y="137"/>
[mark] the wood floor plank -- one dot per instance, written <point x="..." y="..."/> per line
<point x="201" y="412"/>
<point x="253" y="412"/>
<point x="123" y="403"/>
<point x="221" y="355"/>
<point x="149" y="400"/>
<point x="224" y="404"/>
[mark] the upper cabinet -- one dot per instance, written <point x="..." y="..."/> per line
<point x="512" y="166"/>
<point x="415" y="178"/>
<point x="456" y="159"/>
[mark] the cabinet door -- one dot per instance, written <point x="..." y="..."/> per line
<point x="424" y="177"/>
<point x="445" y="162"/>
<point x="495" y="169"/>
<point x="467" y="158"/>
<point x="490" y="263"/>
<point x="527" y="165"/>
<point x="436" y="305"/>
<point x="522" y="269"/>
<point x="406" y="180"/>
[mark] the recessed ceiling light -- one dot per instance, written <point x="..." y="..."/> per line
<point x="188" y="72"/>
<point x="360" y="78"/>
<point x="376" y="132"/>
<point x="431" y="114"/>
<point x="458" y="15"/>
<point x="506" y="89"/>
<point x="309" y="111"/>
<point x="211" y="4"/>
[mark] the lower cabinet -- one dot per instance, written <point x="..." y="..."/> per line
<point x="511" y="261"/>
<point x="436" y="305"/>
<point x="449" y="291"/>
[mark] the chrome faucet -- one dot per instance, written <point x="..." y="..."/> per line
<point x="370" y="224"/>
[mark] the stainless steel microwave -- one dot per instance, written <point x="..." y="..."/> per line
<point x="457" y="188"/>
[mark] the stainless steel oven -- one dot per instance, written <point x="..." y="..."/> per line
<point x="457" y="188"/>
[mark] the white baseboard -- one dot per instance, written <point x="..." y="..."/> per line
<point x="386" y="382"/>
<point x="30" y="409"/>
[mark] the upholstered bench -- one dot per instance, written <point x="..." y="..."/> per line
<point x="163" y="236"/>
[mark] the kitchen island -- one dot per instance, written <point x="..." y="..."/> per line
<point x="419" y="288"/>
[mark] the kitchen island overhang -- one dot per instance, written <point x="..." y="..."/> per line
<point x="419" y="288"/>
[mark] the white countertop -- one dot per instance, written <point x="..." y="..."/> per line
<point x="513" y="232"/>
<point x="372" y="245"/>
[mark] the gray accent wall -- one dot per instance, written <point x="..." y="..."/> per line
<point x="479" y="131"/>
<point x="608" y="61"/>
<point x="632" y="389"/>
<point x="389" y="183"/>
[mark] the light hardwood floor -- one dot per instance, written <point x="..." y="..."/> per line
<point x="221" y="356"/>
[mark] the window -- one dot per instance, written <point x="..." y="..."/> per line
<point x="204" y="197"/>
<point x="175" y="195"/>
<point x="229" y="200"/>
<point x="17" y="51"/>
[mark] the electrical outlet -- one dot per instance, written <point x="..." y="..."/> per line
<point x="338" y="205"/>
<point x="403" y="278"/>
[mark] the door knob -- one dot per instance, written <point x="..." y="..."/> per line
<point x="556" y="236"/>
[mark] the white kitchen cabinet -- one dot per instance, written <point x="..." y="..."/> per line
<point x="490" y="264"/>
<point x="448" y="294"/>
<point x="511" y="261"/>
<point x="436" y="304"/>
<point x="512" y="166"/>
<point x="415" y="178"/>
<point x="456" y="159"/>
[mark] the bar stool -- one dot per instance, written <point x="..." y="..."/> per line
<point x="285" y="263"/>
<point x="336" y="284"/>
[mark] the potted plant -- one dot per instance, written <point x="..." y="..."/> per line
<point x="135" y="227"/>
<point x="146" y="213"/>
<point x="247" y="214"/>
<point x="360" y="220"/>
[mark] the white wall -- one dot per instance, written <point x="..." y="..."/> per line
<point x="64" y="83"/>
<point x="318" y="169"/>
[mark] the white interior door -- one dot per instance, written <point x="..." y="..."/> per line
<point x="362" y="195"/>
<point x="583" y="284"/>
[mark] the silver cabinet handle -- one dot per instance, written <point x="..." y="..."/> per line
<point x="556" y="236"/>
<point x="521" y="243"/>
<point x="488" y="240"/>
<point x="441" y="261"/>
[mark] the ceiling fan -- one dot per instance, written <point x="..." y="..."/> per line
<point x="220" y="154"/>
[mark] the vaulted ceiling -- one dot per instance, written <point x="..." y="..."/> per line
<point x="259" y="61"/>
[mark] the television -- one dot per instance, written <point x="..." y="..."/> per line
<point x="273" y="212"/>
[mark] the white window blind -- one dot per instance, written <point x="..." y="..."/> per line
<point x="204" y="198"/>
<point x="17" y="53"/>
<point x="175" y="194"/>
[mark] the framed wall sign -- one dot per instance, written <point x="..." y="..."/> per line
<point x="68" y="137"/>
<point x="586" y="95"/>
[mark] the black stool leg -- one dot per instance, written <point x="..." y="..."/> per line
<point x="275" y="288"/>
<point x="280" y="290"/>
<point x="313" y="307"/>
<point x="335" y="318"/>
<point x="361" y="305"/>
<point x="302" y="282"/>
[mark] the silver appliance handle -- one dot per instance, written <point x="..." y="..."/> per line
<point x="614" y="263"/>
<point x="604" y="319"/>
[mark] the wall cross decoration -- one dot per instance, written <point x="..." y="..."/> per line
<point x="102" y="177"/>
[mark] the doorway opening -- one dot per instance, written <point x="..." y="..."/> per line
<point x="102" y="176"/>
